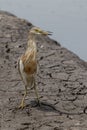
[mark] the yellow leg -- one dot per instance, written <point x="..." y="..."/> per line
<point x="36" y="92"/>
<point x="22" y="102"/>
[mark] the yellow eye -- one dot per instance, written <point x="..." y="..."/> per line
<point x="36" y="30"/>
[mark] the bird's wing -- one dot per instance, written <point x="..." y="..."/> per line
<point x="19" y="69"/>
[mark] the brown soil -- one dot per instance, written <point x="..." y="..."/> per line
<point x="61" y="83"/>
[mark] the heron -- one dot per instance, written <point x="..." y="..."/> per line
<point x="27" y="63"/>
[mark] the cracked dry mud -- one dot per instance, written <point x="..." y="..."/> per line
<point x="61" y="83"/>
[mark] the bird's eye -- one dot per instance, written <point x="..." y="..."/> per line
<point x="36" y="30"/>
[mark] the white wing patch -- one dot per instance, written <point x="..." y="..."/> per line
<point x="23" y="75"/>
<point x="21" y="66"/>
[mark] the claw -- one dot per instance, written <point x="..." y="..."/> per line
<point x="21" y="106"/>
<point x="38" y="103"/>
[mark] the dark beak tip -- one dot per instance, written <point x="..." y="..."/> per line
<point x="50" y="34"/>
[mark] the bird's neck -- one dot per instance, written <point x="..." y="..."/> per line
<point x="32" y="42"/>
<point x="31" y="47"/>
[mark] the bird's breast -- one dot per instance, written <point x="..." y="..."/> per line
<point x="30" y="68"/>
<point x="26" y="74"/>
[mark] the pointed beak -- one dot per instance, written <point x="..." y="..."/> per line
<point x="49" y="33"/>
<point x="46" y="33"/>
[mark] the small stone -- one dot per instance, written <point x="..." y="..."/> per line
<point x="57" y="128"/>
<point x="8" y="50"/>
<point x="41" y="46"/>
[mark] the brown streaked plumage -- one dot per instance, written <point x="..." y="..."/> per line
<point x="27" y="64"/>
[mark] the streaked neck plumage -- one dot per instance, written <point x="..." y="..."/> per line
<point x="32" y="41"/>
<point x="31" y="47"/>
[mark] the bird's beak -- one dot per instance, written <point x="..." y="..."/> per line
<point x="46" y="33"/>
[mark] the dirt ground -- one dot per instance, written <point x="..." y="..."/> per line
<point x="61" y="83"/>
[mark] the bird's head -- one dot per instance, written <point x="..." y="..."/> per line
<point x="38" y="31"/>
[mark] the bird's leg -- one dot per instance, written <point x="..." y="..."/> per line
<point x="22" y="102"/>
<point x="38" y="100"/>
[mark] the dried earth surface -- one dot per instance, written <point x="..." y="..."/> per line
<point x="61" y="82"/>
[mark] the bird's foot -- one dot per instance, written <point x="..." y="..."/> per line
<point x="21" y="106"/>
<point x="38" y="103"/>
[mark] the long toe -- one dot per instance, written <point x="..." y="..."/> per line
<point x="21" y="106"/>
<point x="38" y="103"/>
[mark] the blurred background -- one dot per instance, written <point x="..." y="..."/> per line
<point x="67" y="19"/>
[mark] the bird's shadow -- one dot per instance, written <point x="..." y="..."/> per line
<point x="44" y="106"/>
